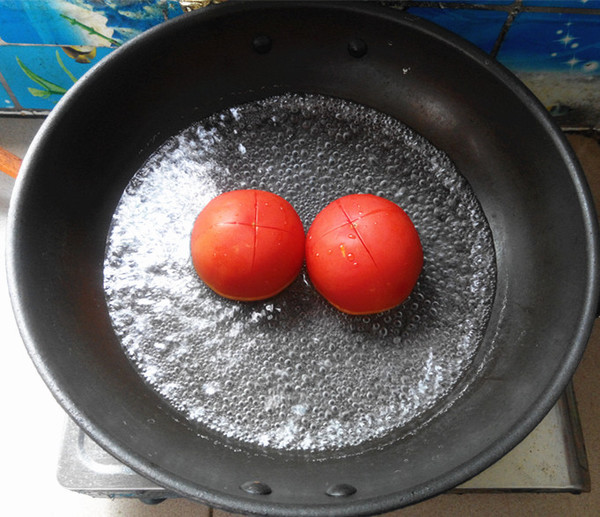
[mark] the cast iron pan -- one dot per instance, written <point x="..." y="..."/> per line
<point x="517" y="162"/>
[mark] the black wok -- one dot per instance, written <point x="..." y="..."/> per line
<point x="525" y="176"/>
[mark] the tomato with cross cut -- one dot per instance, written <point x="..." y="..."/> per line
<point x="363" y="254"/>
<point x="247" y="244"/>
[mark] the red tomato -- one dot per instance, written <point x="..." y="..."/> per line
<point x="248" y="244"/>
<point x="363" y="254"/>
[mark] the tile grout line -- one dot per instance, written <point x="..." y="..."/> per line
<point x="13" y="98"/>
<point x="407" y="4"/>
<point x="512" y="14"/>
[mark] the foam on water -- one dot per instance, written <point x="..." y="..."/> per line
<point x="292" y="372"/>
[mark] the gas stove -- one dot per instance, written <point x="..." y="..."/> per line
<point x="551" y="459"/>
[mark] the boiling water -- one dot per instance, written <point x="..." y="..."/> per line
<point x="292" y="372"/>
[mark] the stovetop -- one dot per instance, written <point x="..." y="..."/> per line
<point x="551" y="459"/>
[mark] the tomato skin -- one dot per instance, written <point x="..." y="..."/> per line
<point x="363" y="254"/>
<point x="248" y="244"/>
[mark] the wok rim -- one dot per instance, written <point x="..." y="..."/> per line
<point x="436" y="486"/>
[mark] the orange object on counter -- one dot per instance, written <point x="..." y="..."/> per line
<point x="9" y="163"/>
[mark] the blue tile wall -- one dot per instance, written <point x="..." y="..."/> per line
<point x="46" y="45"/>
<point x="40" y="76"/>
<point x="478" y="26"/>
<point x="561" y="42"/>
<point x="527" y="35"/>
<point x="552" y="45"/>
<point x="558" y="4"/>
<point x="81" y="22"/>
<point x="5" y="100"/>
<point x="468" y="3"/>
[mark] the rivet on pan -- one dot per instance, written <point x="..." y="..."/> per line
<point x="256" y="487"/>
<point x="340" y="490"/>
<point x="357" y="47"/>
<point x="262" y="44"/>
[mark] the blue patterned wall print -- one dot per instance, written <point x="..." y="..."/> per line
<point x="561" y="42"/>
<point x="45" y="45"/>
<point x="552" y="45"/>
<point x="81" y="22"/>
<point x="580" y="4"/>
<point x="40" y="75"/>
<point x="469" y="3"/>
<point x="5" y="100"/>
<point x="479" y="27"/>
<point x="477" y="4"/>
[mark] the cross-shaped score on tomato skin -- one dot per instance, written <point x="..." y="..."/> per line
<point x="363" y="254"/>
<point x="248" y="244"/>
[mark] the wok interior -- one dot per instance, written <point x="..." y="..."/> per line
<point x="497" y="136"/>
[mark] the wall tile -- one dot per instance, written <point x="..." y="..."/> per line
<point x="558" y="42"/>
<point x="582" y="4"/>
<point x="477" y="26"/>
<point x="556" y="52"/>
<point x="80" y="22"/>
<point x="5" y="100"/>
<point x="469" y="3"/>
<point x="39" y="75"/>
